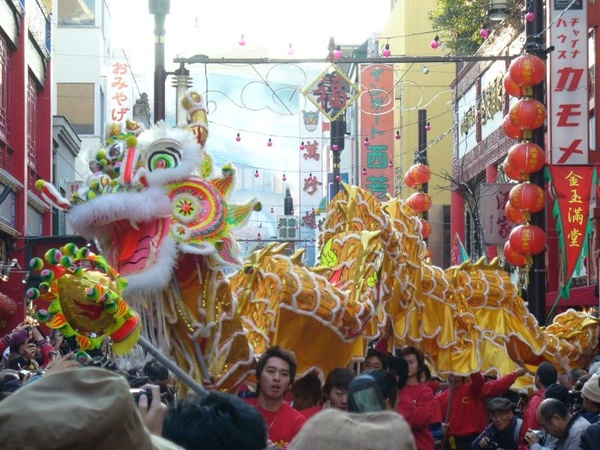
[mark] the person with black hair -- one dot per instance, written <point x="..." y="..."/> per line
<point x="554" y="417"/>
<point x="275" y="373"/>
<point x="545" y="375"/>
<point x="398" y="367"/>
<point x="335" y="389"/>
<point x="388" y="386"/>
<point x="374" y="360"/>
<point x="504" y="429"/>
<point x="307" y="394"/>
<point x="540" y="439"/>
<point x="216" y="421"/>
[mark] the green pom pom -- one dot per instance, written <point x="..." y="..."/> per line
<point x="79" y="272"/>
<point x="131" y="141"/>
<point x="36" y="264"/>
<point x="66" y="262"/>
<point x="47" y="275"/>
<point x="53" y="256"/>
<point x="111" y="307"/>
<point x="44" y="288"/>
<point x="69" y="249"/>
<point x="83" y="253"/>
<point x="32" y="293"/>
<point x="42" y="315"/>
<point x="82" y="357"/>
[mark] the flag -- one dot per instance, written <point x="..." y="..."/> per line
<point x="459" y="254"/>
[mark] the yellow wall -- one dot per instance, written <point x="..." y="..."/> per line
<point x="408" y="34"/>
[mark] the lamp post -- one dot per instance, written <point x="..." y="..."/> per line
<point x="536" y="292"/>
<point x="338" y="133"/>
<point x="421" y="154"/>
<point x="160" y="9"/>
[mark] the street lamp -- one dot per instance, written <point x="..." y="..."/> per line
<point x="160" y="9"/>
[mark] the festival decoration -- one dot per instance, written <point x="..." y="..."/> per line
<point x="510" y="129"/>
<point x="86" y="299"/>
<point x="512" y="257"/>
<point x="425" y="228"/>
<point x="527" y="114"/>
<point x="573" y="191"/>
<point x="527" y="197"/>
<point x="417" y="175"/>
<point x="526" y="157"/>
<point x="419" y="201"/>
<point x="511" y="87"/>
<point x="515" y="215"/>
<point x="527" y="70"/>
<point x="527" y="239"/>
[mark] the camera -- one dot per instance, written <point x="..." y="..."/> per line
<point x="137" y="393"/>
<point x="493" y="445"/>
<point x="364" y="395"/>
<point x="575" y="398"/>
<point x="539" y="434"/>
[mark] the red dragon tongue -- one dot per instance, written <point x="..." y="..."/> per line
<point x="127" y="243"/>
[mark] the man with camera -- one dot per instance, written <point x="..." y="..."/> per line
<point x="503" y="432"/>
<point x="554" y="417"/>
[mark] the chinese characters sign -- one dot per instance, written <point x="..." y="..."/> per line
<point x="573" y="187"/>
<point x="120" y="88"/>
<point x="332" y="92"/>
<point x="377" y="125"/>
<point x="496" y="226"/>
<point x="568" y="90"/>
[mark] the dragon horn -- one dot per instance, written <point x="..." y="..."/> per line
<point x="51" y="195"/>
<point x="193" y="103"/>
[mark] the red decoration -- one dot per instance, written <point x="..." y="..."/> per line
<point x="527" y="240"/>
<point x="425" y="229"/>
<point x="416" y="175"/>
<point x="513" y="173"/>
<point x="419" y="201"/>
<point x="513" y="258"/>
<point x="527" y="197"/>
<point x="8" y="308"/>
<point x="515" y="215"/>
<point x="528" y="114"/>
<point x="528" y="70"/>
<point x="510" y="129"/>
<point x="526" y="157"/>
<point x="511" y="87"/>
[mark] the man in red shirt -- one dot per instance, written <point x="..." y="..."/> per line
<point x="275" y="373"/>
<point x="465" y="401"/>
<point x="545" y="375"/>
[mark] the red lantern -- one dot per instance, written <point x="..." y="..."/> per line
<point x="419" y="201"/>
<point x="527" y="70"/>
<point x="528" y="114"/>
<point x="513" y="173"/>
<point x="527" y="197"/>
<point x="425" y="229"/>
<point x="416" y="175"/>
<point x="510" y="129"/>
<point x="510" y="87"/>
<point x="527" y="240"/>
<point x="8" y="308"/>
<point x="515" y="215"/>
<point x="514" y="258"/>
<point x="526" y="157"/>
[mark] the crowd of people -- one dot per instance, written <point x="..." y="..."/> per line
<point x="389" y="401"/>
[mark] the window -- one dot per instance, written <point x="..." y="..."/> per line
<point x="8" y="208"/>
<point x="75" y="101"/>
<point x="32" y="122"/>
<point x="76" y="13"/>
<point x="34" y="222"/>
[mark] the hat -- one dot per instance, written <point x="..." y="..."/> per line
<point x="79" y="409"/>
<point x="591" y="389"/>
<point x="558" y="391"/>
<point x="332" y="429"/>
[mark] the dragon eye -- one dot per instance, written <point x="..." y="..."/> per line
<point x="162" y="160"/>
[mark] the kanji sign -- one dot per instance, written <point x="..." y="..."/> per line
<point x="568" y="83"/>
<point x="573" y="189"/>
<point x="332" y="92"/>
<point x="377" y="124"/>
<point x="496" y="226"/>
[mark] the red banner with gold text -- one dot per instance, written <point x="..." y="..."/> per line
<point x="573" y="189"/>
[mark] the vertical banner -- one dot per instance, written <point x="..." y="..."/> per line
<point x="377" y="126"/>
<point x="496" y="226"/>
<point x="120" y="91"/>
<point x="573" y="191"/>
<point x="568" y="83"/>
